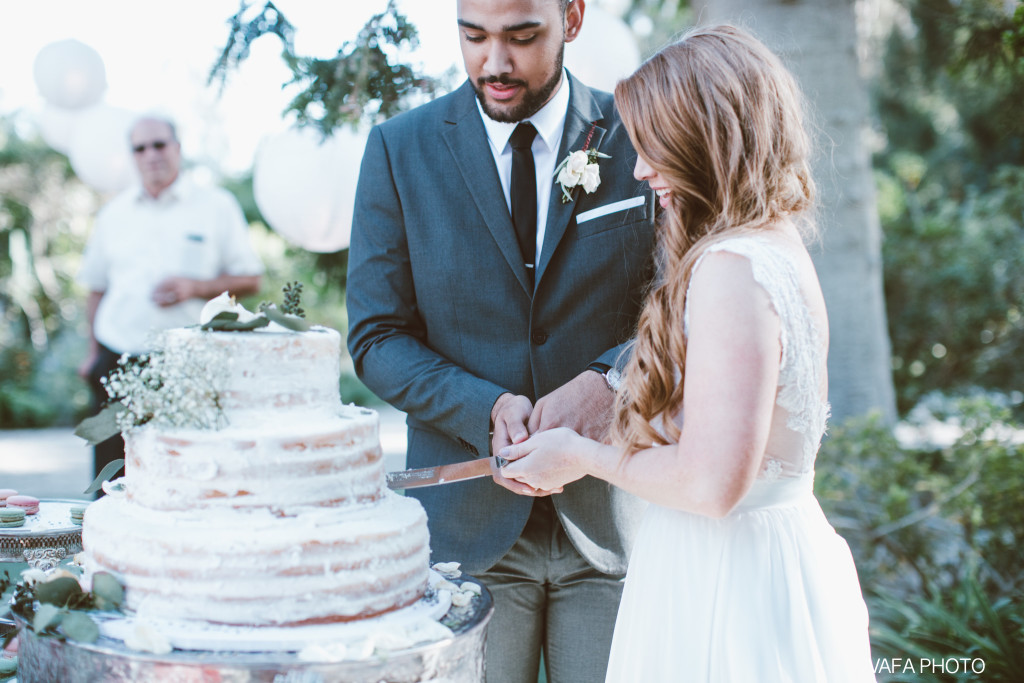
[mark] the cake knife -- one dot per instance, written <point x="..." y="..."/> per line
<point x="445" y="474"/>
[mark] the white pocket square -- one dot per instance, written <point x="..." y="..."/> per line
<point x="610" y="208"/>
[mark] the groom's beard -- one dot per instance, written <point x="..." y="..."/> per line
<point x="532" y="102"/>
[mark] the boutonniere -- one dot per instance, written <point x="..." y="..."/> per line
<point x="580" y="168"/>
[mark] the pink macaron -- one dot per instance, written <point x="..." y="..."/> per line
<point x="5" y="494"/>
<point x="29" y="504"/>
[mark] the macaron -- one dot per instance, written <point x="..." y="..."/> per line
<point x="11" y="517"/>
<point x="5" y="494"/>
<point x="30" y="504"/>
<point x="77" y="513"/>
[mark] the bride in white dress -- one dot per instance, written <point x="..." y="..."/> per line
<point x="736" y="575"/>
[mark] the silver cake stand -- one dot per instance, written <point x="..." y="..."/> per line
<point x="48" y="537"/>
<point x="459" y="659"/>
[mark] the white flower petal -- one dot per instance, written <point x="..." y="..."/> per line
<point x="591" y="177"/>
<point x="219" y="304"/>
<point x="567" y="178"/>
<point x="144" y="637"/>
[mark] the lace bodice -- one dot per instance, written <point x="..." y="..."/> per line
<point x="798" y="423"/>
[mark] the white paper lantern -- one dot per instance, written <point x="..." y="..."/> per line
<point x="604" y="52"/>
<point x="70" y="74"/>
<point x="100" y="152"/>
<point x="306" y="189"/>
<point x="57" y="126"/>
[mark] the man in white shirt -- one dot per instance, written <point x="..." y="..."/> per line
<point x="157" y="253"/>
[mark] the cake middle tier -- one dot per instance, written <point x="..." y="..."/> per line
<point x="286" y="461"/>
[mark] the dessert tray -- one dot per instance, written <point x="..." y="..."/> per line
<point x="48" y="537"/>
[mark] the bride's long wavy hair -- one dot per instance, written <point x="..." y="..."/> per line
<point x="720" y="119"/>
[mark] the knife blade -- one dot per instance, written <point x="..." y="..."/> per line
<point x="445" y="474"/>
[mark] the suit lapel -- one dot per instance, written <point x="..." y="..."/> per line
<point x="582" y="114"/>
<point x="467" y="141"/>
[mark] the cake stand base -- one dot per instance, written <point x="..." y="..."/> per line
<point x="459" y="659"/>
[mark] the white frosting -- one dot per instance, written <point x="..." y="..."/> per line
<point x="302" y="459"/>
<point x="270" y="370"/>
<point x="235" y="567"/>
<point x="282" y="517"/>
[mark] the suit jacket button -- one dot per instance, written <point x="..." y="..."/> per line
<point x="539" y="337"/>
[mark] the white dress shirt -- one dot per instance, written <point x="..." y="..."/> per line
<point x="550" y="124"/>
<point x="188" y="231"/>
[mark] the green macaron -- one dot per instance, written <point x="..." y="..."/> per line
<point x="11" y="517"/>
<point x="77" y="513"/>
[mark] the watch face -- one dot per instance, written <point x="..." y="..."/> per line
<point x="614" y="379"/>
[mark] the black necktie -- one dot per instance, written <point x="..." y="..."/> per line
<point x="524" y="193"/>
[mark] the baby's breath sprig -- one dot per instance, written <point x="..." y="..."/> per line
<point x="177" y="385"/>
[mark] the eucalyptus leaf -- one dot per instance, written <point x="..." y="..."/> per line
<point x="78" y="626"/>
<point x="102" y="426"/>
<point x="108" y="591"/>
<point x="58" y="591"/>
<point x="292" y="322"/>
<point x="47" y="616"/>
<point x="235" y="326"/>
<point x="224" y="316"/>
<point x="8" y="666"/>
<point x="111" y="468"/>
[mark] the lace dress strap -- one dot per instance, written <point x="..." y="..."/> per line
<point x="803" y="363"/>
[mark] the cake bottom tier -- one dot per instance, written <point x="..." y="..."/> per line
<point x="251" y="567"/>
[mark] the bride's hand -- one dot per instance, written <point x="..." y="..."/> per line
<point x="549" y="460"/>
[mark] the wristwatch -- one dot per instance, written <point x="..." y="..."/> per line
<point x="612" y="377"/>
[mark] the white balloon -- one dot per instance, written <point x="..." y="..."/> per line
<point x="100" y="153"/>
<point x="306" y="188"/>
<point x="70" y="74"/>
<point x="604" y="52"/>
<point x="57" y="126"/>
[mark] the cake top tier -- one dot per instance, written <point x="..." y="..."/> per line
<point x="263" y="369"/>
<point x="234" y="368"/>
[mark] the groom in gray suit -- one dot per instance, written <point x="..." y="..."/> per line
<point x="483" y="337"/>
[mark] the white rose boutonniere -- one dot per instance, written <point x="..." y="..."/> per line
<point x="580" y="168"/>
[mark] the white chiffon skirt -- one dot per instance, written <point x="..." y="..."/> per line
<point x="768" y="593"/>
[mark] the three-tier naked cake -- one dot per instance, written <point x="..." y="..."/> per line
<point x="277" y="513"/>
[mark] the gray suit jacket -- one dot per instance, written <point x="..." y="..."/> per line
<point x="442" y="322"/>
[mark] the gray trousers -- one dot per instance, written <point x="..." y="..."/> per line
<point x="546" y="596"/>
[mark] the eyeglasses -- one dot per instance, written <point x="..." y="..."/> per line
<point x="158" y="145"/>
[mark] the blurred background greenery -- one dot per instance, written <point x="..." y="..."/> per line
<point x="935" y="524"/>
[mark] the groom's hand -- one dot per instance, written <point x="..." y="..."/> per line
<point x="509" y="417"/>
<point x="584" y="405"/>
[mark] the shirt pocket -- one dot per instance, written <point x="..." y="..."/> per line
<point x="197" y="255"/>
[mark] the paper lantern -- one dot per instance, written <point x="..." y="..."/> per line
<point x="306" y="188"/>
<point x="100" y="152"/>
<point x="70" y="74"/>
<point x="57" y="126"/>
<point x="604" y="52"/>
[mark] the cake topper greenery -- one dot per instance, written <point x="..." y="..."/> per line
<point x="224" y="314"/>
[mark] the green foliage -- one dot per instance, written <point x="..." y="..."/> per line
<point x="41" y="232"/>
<point x="961" y="622"/>
<point x="935" y="530"/>
<point x="364" y="81"/>
<point x="293" y="299"/>
<point x="939" y="247"/>
<point x="951" y="197"/>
